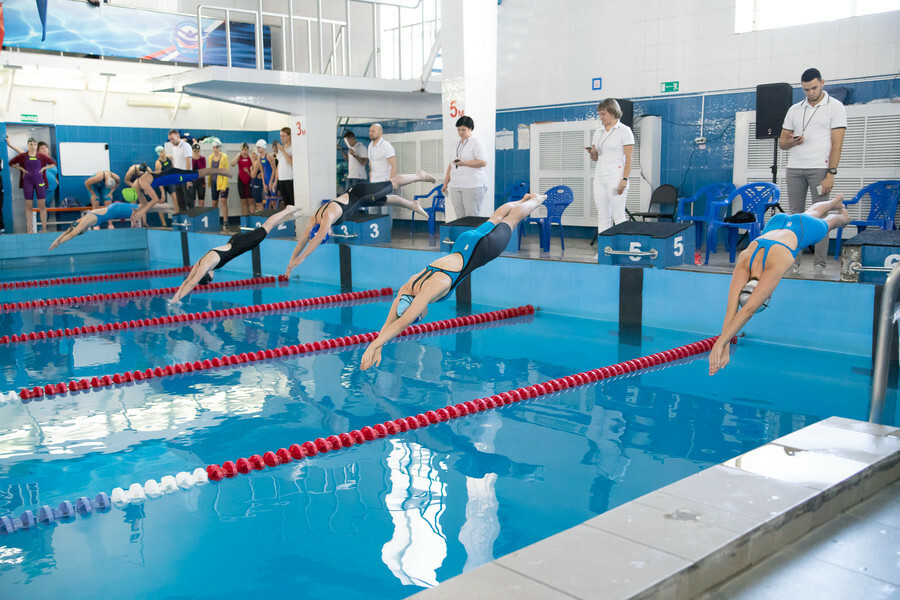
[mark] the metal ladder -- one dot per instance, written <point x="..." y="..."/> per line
<point x="886" y="320"/>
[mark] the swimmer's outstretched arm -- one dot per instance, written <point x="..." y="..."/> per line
<point x="306" y="246"/>
<point x="735" y="318"/>
<point x="206" y="264"/>
<point x="394" y="325"/>
<point x="80" y="226"/>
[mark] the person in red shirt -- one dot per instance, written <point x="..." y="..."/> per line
<point x="245" y="165"/>
<point x="32" y="164"/>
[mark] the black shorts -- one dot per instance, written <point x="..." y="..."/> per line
<point x="244" y="190"/>
<point x="286" y="187"/>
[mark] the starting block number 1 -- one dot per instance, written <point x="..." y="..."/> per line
<point x="205" y="221"/>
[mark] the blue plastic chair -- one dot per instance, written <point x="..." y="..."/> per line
<point x="884" y="196"/>
<point x="437" y="206"/>
<point x="558" y="198"/>
<point x="714" y="192"/>
<point x="517" y="191"/>
<point x="756" y="198"/>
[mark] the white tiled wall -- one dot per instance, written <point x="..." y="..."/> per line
<point x="548" y="52"/>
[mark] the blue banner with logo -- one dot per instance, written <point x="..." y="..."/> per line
<point x="80" y="28"/>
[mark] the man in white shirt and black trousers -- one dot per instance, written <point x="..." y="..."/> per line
<point x="813" y="131"/>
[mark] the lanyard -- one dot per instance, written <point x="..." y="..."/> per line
<point x="804" y="121"/>
<point x="460" y="146"/>
<point x="608" y="135"/>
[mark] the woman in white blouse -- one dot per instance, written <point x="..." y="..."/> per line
<point x="611" y="149"/>
<point x="466" y="174"/>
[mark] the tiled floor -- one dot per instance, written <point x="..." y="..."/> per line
<point x="856" y="555"/>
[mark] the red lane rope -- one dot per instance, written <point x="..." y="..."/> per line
<point x="228" y="312"/>
<point x="341" y="441"/>
<point x="10" y="285"/>
<point x="245" y="357"/>
<point x="218" y="285"/>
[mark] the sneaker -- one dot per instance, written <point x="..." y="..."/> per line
<point x="819" y="270"/>
<point x="795" y="269"/>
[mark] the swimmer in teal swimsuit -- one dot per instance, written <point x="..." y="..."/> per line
<point x="761" y="266"/>
<point x="99" y="216"/>
<point x="472" y="249"/>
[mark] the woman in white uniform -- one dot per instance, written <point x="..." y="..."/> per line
<point x="611" y="149"/>
<point x="466" y="176"/>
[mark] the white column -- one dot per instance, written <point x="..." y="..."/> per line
<point x="313" y="141"/>
<point x="469" y="74"/>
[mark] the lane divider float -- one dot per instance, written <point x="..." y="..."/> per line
<point x="216" y="285"/>
<point x="11" y="285"/>
<point x="138" y="493"/>
<point x="341" y="441"/>
<point x="209" y="314"/>
<point x="105" y="381"/>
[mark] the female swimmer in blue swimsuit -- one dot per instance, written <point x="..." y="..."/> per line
<point x="761" y="266"/>
<point x="472" y="249"/>
<point x="104" y="214"/>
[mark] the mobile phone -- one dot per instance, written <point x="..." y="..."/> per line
<point x="819" y="189"/>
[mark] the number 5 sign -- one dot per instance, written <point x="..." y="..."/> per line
<point x="455" y="111"/>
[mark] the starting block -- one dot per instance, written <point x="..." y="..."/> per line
<point x="638" y="244"/>
<point x="452" y="230"/>
<point x="363" y="230"/>
<point x="869" y="256"/>
<point x="251" y="222"/>
<point x="197" y="219"/>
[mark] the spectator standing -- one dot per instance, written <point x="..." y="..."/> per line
<point x="181" y="159"/>
<point x="813" y="131"/>
<point x="245" y="166"/>
<point x="611" y="149"/>
<point x="51" y="175"/>
<point x="284" y="172"/>
<point x="258" y="183"/>
<point x="195" y="191"/>
<point x="357" y="158"/>
<point x="381" y="155"/>
<point x="466" y="176"/>
<point x="32" y="164"/>
<point x="219" y="183"/>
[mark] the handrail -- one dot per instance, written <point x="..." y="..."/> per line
<point x="883" y="345"/>
<point x="314" y="27"/>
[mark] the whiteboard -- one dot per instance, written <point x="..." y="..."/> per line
<point x="83" y="159"/>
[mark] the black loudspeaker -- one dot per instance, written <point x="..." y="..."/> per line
<point x="627" y="107"/>
<point x="772" y="103"/>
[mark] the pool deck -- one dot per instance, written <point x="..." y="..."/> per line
<point x="722" y="525"/>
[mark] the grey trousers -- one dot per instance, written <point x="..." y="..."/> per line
<point x="799" y="181"/>
<point x="467" y="201"/>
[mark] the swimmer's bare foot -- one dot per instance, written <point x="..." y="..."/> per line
<point x="838" y="202"/>
<point x="541" y="197"/>
<point x="420" y="210"/>
<point x="426" y="176"/>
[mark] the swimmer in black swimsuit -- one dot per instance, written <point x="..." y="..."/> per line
<point x="472" y="249"/>
<point x="362" y="195"/>
<point x="238" y="244"/>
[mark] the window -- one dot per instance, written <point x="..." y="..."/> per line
<point x="756" y="15"/>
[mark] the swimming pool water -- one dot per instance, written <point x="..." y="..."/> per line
<point x="381" y="520"/>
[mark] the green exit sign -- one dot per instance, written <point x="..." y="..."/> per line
<point x="668" y="86"/>
<point x="29" y="118"/>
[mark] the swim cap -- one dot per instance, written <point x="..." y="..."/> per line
<point x="206" y="278"/>
<point x="404" y="303"/>
<point x="143" y="168"/>
<point x="260" y="143"/>
<point x="110" y="182"/>
<point x="158" y="149"/>
<point x="129" y="195"/>
<point x="315" y="228"/>
<point x="745" y="295"/>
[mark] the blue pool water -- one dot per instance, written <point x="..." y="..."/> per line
<point x="381" y="520"/>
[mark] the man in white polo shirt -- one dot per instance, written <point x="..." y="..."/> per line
<point x="181" y="155"/>
<point x="813" y="131"/>
<point x="357" y="159"/>
<point x="382" y="158"/>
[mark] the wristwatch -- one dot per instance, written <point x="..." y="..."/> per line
<point x="833" y="170"/>
<point x="624" y="179"/>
